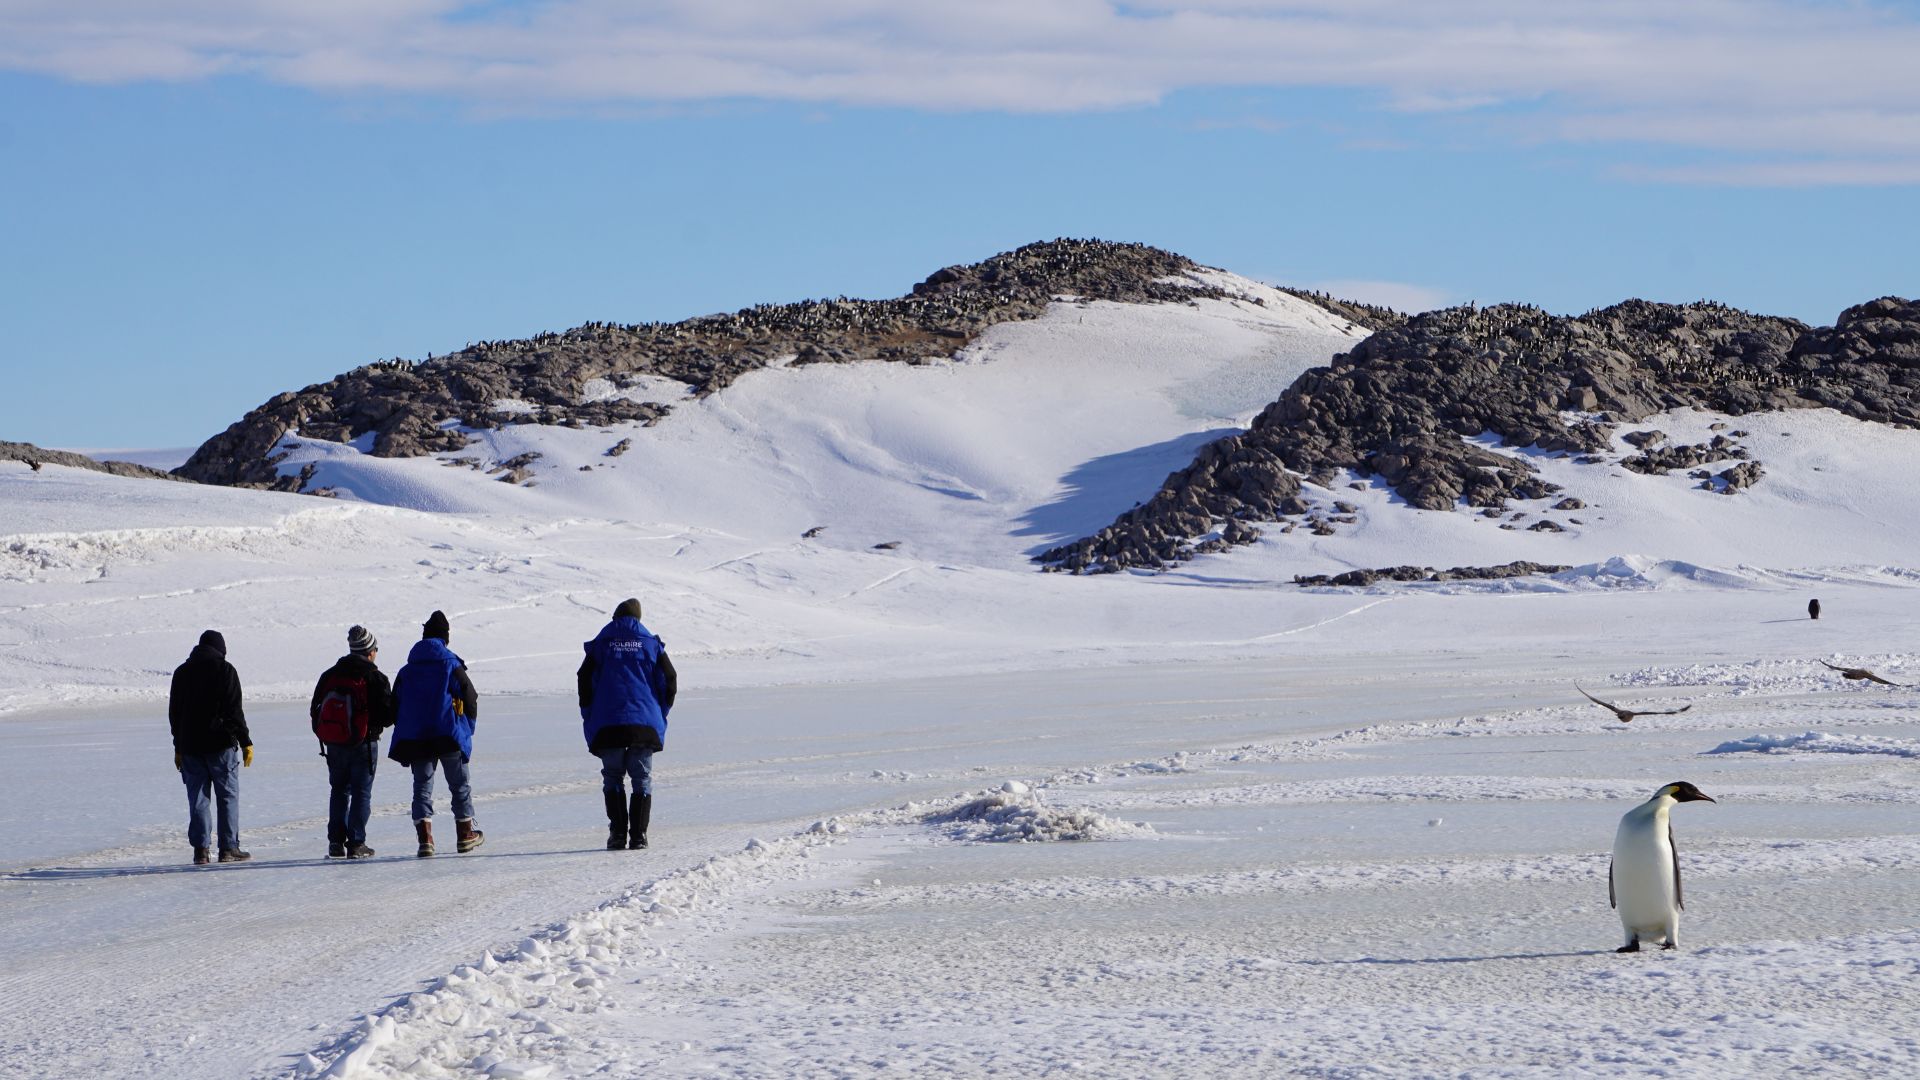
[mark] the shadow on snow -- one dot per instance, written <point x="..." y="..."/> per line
<point x="1103" y="488"/>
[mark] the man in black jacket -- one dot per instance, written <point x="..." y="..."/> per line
<point x="210" y="745"/>
<point x="352" y="705"/>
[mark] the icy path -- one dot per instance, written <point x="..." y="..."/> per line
<point x="1348" y="870"/>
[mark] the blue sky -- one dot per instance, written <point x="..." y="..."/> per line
<point x="205" y="202"/>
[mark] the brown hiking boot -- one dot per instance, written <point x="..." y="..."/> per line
<point x="467" y="836"/>
<point x="424" y="830"/>
<point x="201" y="856"/>
<point x="234" y="855"/>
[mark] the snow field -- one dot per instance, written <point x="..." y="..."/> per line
<point x="1326" y="832"/>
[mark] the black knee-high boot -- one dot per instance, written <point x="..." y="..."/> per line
<point x="616" y="820"/>
<point x="642" y="812"/>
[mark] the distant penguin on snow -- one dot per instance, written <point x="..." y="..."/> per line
<point x="1813" y="609"/>
<point x="1643" y="882"/>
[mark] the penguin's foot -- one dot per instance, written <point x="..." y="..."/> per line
<point x="1631" y="946"/>
<point x="1671" y="944"/>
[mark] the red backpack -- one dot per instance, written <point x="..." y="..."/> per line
<point x="342" y="720"/>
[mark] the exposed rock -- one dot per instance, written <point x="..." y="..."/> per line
<point x="1663" y="459"/>
<point x="1427" y="573"/>
<point x="886" y="545"/>
<point x="1545" y="525"/>
<point x="1642" y="439"/>
<point x="1402" y="404"/>
<point x="1740" y="476"/>
<point x="36" y="456"/>
<point x="511" y="471"/>
<point x="544" y="380"/>
<point x="813" y="532"/>
<point x="619" y="448"/>
<point x="1570" y="503"/>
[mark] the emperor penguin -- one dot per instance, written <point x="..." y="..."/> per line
<point x="1643" y="881"/>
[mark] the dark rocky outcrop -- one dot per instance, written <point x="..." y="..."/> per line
<point x="36" y="456"/>
<point x="1354" y="578"/>
<point x="1661" y="460"/>
<point x="1404" y="404"/>
<point x="1367" y="315"/>
<point x="406" y="405"/>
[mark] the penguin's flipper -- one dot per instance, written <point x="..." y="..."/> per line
<point x="1612" y="901"/>
<point x="1678" y="901"/>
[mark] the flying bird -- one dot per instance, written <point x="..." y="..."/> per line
<point x="1643" y="880"/>
<point x="1626" y="716"/>
<point x="1861" y="673"/>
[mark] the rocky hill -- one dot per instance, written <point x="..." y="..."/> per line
<point x="546" y="379"/>
<point x="36" y="456"/>
<point x="1403" y="404"/>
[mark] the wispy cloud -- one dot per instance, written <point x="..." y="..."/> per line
<point x="1801" y="79"/>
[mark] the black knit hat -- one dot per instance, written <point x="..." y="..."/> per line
<point x="628" y="609"/>
<point x="212" y="640"/>
<point x="436" y="627"/>
<point x="361" y="640"/>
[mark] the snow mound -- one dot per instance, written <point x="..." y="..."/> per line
<point x="1819" y="742"/>
<point x="1645" y="572"/>
<point x="1012" y="817"/>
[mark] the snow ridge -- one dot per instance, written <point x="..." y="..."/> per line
<point x="1819" y="742"/>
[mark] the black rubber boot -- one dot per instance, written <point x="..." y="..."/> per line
<point x="616" y="819"/>
<point x="642" y="812"/>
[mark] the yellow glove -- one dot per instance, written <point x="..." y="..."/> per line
<point x="459" y="707"/>
<point x="246" y="756"/>
<point x="176" y="762"/>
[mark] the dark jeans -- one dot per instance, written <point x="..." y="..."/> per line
<point x="617" y="765"/>
<point x="350" y="775"/>
<point x="457" y="785"/>
<point x="213" y="782"/>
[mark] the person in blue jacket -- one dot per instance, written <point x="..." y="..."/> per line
<point x="435" y="709"/>
<point x="627" y="686"/>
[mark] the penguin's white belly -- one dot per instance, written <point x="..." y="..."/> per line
<point x="1643" y="881"/>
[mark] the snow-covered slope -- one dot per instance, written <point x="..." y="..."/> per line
<point x="1036" y="432"/>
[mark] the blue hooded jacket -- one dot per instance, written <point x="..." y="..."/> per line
<point x="424" y="692"/>
<point x="622" y="682"/>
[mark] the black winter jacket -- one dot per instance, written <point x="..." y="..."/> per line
<point x="203" y="705"/>
<point x="380" y="707"/>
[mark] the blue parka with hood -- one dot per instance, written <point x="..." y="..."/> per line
<point x="427" y="724"/>
<point x="627" y="686"/>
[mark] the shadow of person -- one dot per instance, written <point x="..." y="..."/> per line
<point x="98" y="873"/>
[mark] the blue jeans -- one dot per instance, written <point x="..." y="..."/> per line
<point x="350" y="775"/>
<point x="213" y="780"/>
<point x="457" y="784"/>
<point x="617" y="765"/>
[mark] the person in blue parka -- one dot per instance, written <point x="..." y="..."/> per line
<point x="627" y="686"/>
<point x="435" y="708"/>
